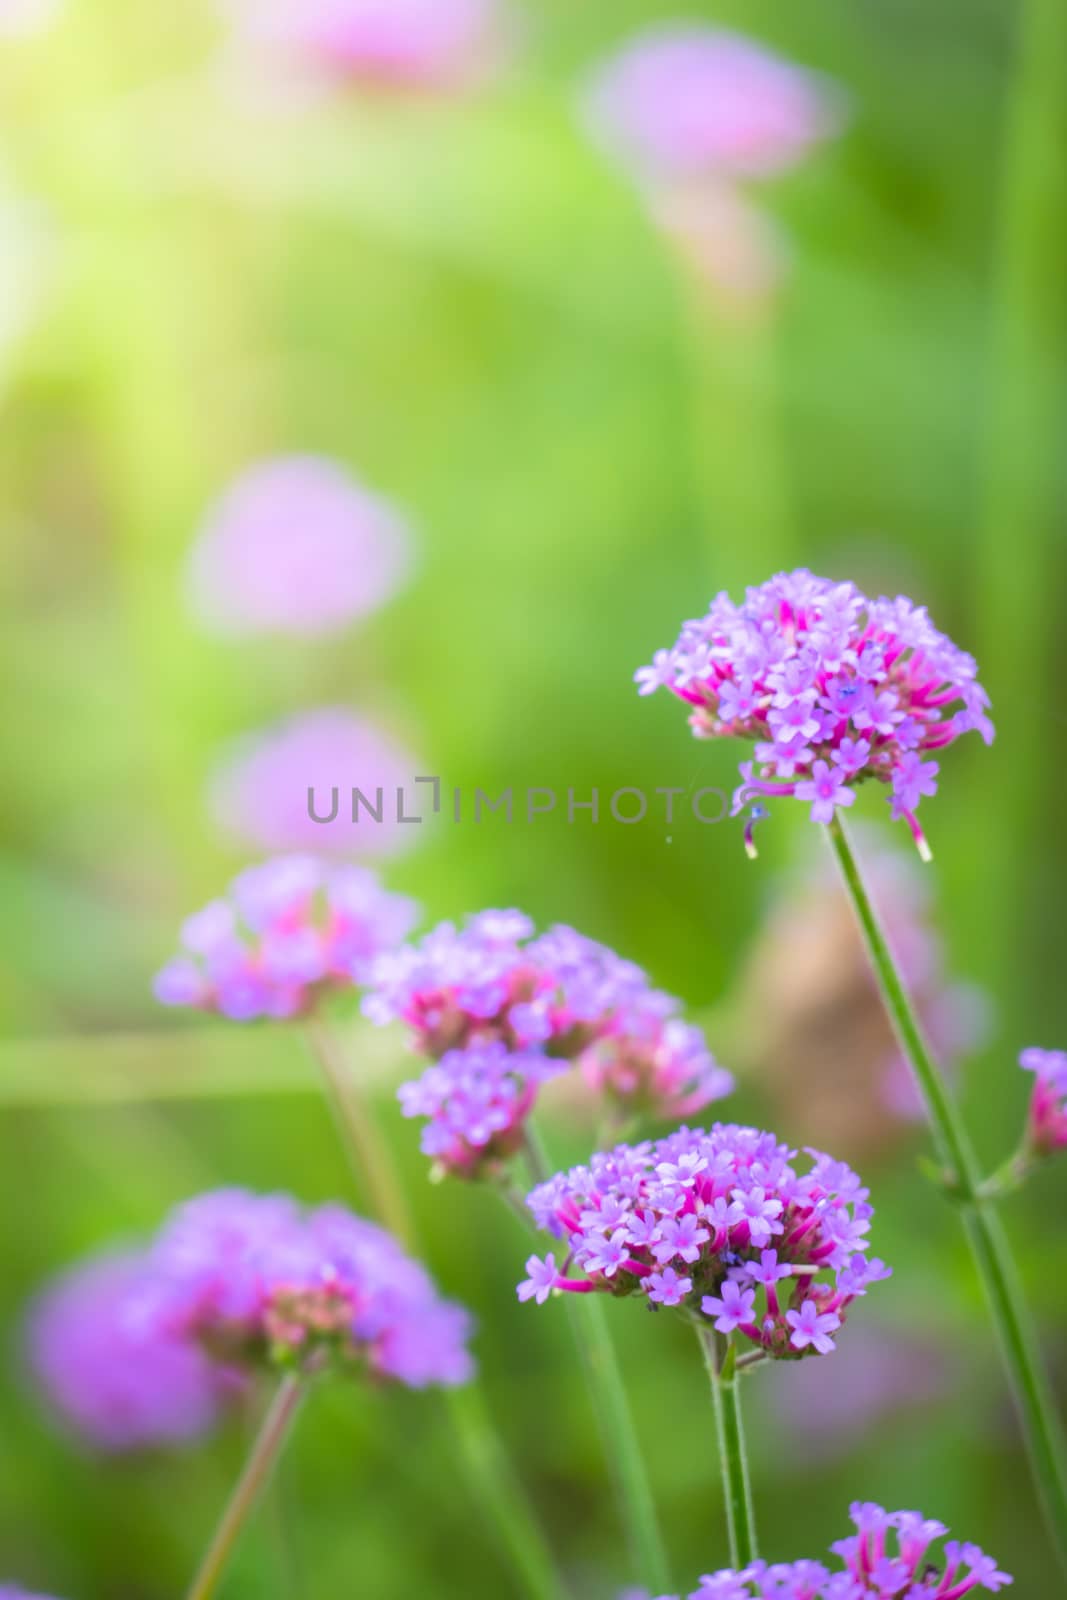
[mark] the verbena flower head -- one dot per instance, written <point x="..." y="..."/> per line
<point x="834" y="689"/>
<point x="259" y="790"/>
<point x="720" y="1224"/>
<point x="297" y="546"/>
<point x="413" y="44"/>
<point x="893" y="1555"/>
<point x="286" y="931"/>
<point x="500" y="1010"/>
<point x="1047" y="1122"/>
<point x="679" y="101"/>
<point x="255" y="1280"/>
<point x="117" y="1383"/>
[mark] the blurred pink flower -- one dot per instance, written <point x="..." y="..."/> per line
<point x="259" y="788"/>
<point x="691" y="111"/>
<point x="877" y="1373"/>
<point x="295" y="545"/>
<point x="117" y="1383"/>
<point x="682" y="100"/>
<point x="417" y="44"/>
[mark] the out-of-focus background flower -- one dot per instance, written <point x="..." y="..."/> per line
<point x="415" y="286"/>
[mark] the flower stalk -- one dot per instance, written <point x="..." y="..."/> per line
<point x="266" y="1450"/>
<point x="1041" y="1424"/>
<point x="492" y="1479"/>
<point x="720" y="1359"/>
<point x="371" y="1167"/>
<point x="596" y="1350"/>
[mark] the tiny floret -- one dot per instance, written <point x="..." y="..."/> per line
<point x="831" y="687"/>
<point x="685" y="1222"/>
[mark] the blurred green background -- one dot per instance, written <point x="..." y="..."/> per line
<point x="462" y="301"/>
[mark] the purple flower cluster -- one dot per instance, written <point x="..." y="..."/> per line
<point x="296" y="546"/>
<point x="1047" y="1121"/>
<point x="286" y="930"/>
<point x="718" y="1223"/>
<point x="255" y="1280"/>
<point x="416" y="44"/>
<point x="260" y="785"/>
<point x="117" y="1383"/>
<point x="889" y="1557"/>
<point x="834" y="688"/>
<point x="682" y="101"/>
<point x="692" y="112"/>
<point x="499" y="1011"/>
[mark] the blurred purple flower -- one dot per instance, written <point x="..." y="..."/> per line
<point x="117" y="1383"/>
<point x="297" y="546"/>
<point x="287" y="931"/>
<point x="476" y="1102"/>
<point x="845" y="688"/>
<point x="681" y="100"/>
<point x="422" y="45"/>
<point x="259" y="789"/>
<point x="710" y="1221"/>
<point x="879" y="1373"/>
<point x="7" y="1593"/>
<point x="500" y="1010"/>
<point x="257" y="1281"/>
<point x="691" y="112"/>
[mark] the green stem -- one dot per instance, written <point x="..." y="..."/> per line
<point x="492" y="1480"/>
<point x="266" y="1449"/>
<point x="1042" y="1427"/>
<point x="740" y="454"/>
<point x="498" y="1490"/>
<point x="720" y="1359"/>
<point x="368" y="1156"/>
<point x="611" y="1402"/>
<point x="1008" y="1177"/>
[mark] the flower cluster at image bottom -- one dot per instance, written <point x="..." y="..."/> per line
<point x="286" y="930"/>
<point x="499" y="1010"/>
<point x="719" y="1223"/>
<point x="891" y="1556"/>
<point x="832" y="687"/>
